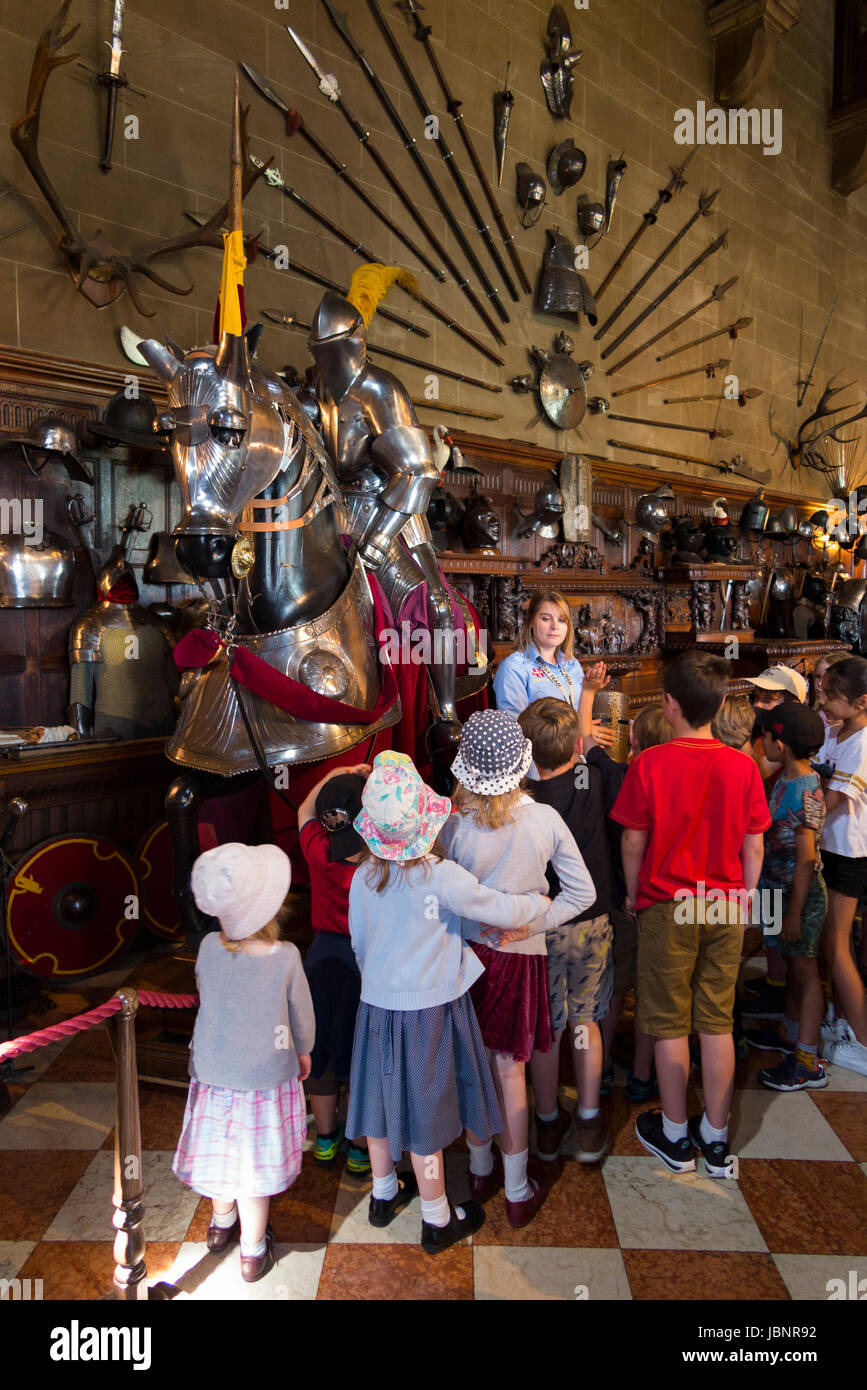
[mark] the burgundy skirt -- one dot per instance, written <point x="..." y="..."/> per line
<point x="511" y="1003"/>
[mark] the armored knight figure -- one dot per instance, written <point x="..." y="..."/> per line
<point x="387" y="475"/>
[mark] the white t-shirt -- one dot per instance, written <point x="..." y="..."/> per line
<point x="846" y="828"/>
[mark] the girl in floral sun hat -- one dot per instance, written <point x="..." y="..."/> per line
<point x="505" y="838"/>
<point x="419" y="1072"/>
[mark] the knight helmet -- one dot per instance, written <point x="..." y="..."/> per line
<point x="338" y="344"/>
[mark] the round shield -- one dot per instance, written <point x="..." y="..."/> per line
<point x="73" y="905"/>
<point x="563" y="392"/>
<point x="155" y="864"/>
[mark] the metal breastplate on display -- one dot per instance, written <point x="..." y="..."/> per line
<point x="849" y="615"/>
<point x="35" y="576"/>
<point x="333" y="655"/>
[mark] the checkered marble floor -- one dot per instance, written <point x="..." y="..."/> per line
<point x="795" y="1218"/>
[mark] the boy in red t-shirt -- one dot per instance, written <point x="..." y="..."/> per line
<point x="332" y="847"/>
<point x="694" y="813"/>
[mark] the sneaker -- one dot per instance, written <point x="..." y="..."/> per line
<point x="834" y="1030"/>
<point x="639" y="1090"/>
<point x="716" y="1156"/>
<point x="850" y="1054"/>
<point x="357" y="1161"/>
<point x="437" y="1238"/>
<point x="761" y="1000"/>
<point x="594" y="1141"/>
<point x="768" y="1040"/>
<point x="677" y="1156"/>
<point x="792" y="1075"/>
<point x="607" y="1081"/>
<point x="551" y="1134"/>
<point x="327" y="1146"/>
<point x="483" y="1188"/>
<point x="382" y="1211"/>
<point x="521" y="1213"/>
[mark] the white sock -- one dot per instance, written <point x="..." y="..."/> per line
<point x="791" y="1027"/>
<point x="518" y="1188"/>
<point x="257" y="1248"/>
<point x="586" y="1113"/>
<point x="548" y="1119"/>
<point x="438" y="1213"/>
<point x="481" y="1159"/>
<point x="224" y="1220"/>
<point x="385" y="1188"/>
<point x="673" y="1130"/>
<point x="711" y="1135"/>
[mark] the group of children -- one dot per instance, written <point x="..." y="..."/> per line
<point x="457" y="940"/>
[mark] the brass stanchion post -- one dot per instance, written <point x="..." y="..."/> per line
<point x="129" y="1244"/>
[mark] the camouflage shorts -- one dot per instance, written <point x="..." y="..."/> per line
<point x="580" y="972"/>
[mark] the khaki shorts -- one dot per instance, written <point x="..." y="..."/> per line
<point x="687" y="971"/>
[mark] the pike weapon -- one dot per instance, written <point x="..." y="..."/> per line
<point x="112" y="78"/>
<point x="732" y="329"/>
<point x="295" y="125"/>
<point x="422" y="32"/>
<point x="451" y="409"/>
<point x="804" y="385"/>
<point x="292" y="321"/>
<point x="749" y="394"/>
<point x="254" y="247"/>
<point x="275" y="179"/>
<point x="710" y="369"/>
<point x="503" y="103"/>
<point x="717" y="244"/>
<point x="329" y="87"/>
<point x="340" y="24"/>
<point x="705" y="204"/>
<point x="674" y="185"/>
<point x="759" y="476"/>
<point x="446" y="154"/>
<point x="669" y="425"/>
<point x="718" y="292"/>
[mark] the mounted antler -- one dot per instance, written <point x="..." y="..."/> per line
<point x="99" y="272"/>
<point x="803" y="450"/>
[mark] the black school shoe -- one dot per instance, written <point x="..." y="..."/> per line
<point x="716" y="1158"/>
<point x="382" y="1211"/>
<point x="437" y="1238"/>
<point x="677" y="1156"/>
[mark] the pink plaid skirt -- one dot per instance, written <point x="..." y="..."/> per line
<point x="241" y="1143"/>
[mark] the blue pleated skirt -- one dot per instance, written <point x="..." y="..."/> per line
<point x="420" y="1077"/>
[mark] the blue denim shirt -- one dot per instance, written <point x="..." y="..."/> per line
<point x="522" y="678"/>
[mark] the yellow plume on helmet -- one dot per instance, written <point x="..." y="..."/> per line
<point x="372" y="282"/>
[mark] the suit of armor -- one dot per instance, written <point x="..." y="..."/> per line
<point x="383" y="461"/>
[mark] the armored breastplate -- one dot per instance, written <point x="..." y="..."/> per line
<point x="348" y="436"/>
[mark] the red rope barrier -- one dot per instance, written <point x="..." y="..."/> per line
<point x="81" y="1022"/>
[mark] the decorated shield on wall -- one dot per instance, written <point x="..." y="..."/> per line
<point x="155" y="866"/>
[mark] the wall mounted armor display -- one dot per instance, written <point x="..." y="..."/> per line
<point x="566" y="165"/>
<point x="481" y="526"/>
<point x="530" y="193"/>
<point x="754" y="517"/>
<point x="36" y="576"/>
<point x="614" y="172"/>
<point x="561" y="384"/>
<point x="131" y="422"/>
<point x="162" y="565"/>
<point x="591" y="216"/>
<point x="576" y="485"/>
<point x="719" y="544"/>
<point x="848" y="619"/>
<point x="548" y="508"/>
<point x="503" y="102"/>
<point x="665" y="195"/>
<point x="561" y="289"/>
<point x="51" y="439"/>
<point x="556" y="70"/>
<point x="650" y="515"/>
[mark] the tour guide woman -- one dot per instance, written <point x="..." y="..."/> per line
<point x="544" y="665"/>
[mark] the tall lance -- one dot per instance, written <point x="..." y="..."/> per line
<point x="292" y="321"/>
<point x="751" y="393"/>
<point x="757" y="476"/>
<point x="716" y="245"/>
<point x="804" y="386"/>
<point x="732" y="329"/>
<point x="253" y="247"/>
<point x="329" y="87"/>
<point x="674" y="185"/>
<point x="295" y="125"/>
<point x="275" y="179"/>
<point x="709" y="368"/>
<point x="451" y="408"/>
<point x="705" y="203"/>
<point x="717" y="293"/>
<point x="422" y="32"/>
<point x="669" y="425"/>
<point x="409" y="144"/>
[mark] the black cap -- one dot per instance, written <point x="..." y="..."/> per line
<point x="799" y="727"/>
<point x="337" y="805"/>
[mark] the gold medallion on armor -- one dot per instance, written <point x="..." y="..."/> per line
<point x="243" y="557"/>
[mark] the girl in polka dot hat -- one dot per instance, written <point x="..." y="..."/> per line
<point x="507" y="840"/>
<point x="419" y="1075"/>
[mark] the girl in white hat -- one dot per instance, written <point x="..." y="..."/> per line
<point x="245" y="1121"/>
<point x="419" y="1074"/>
